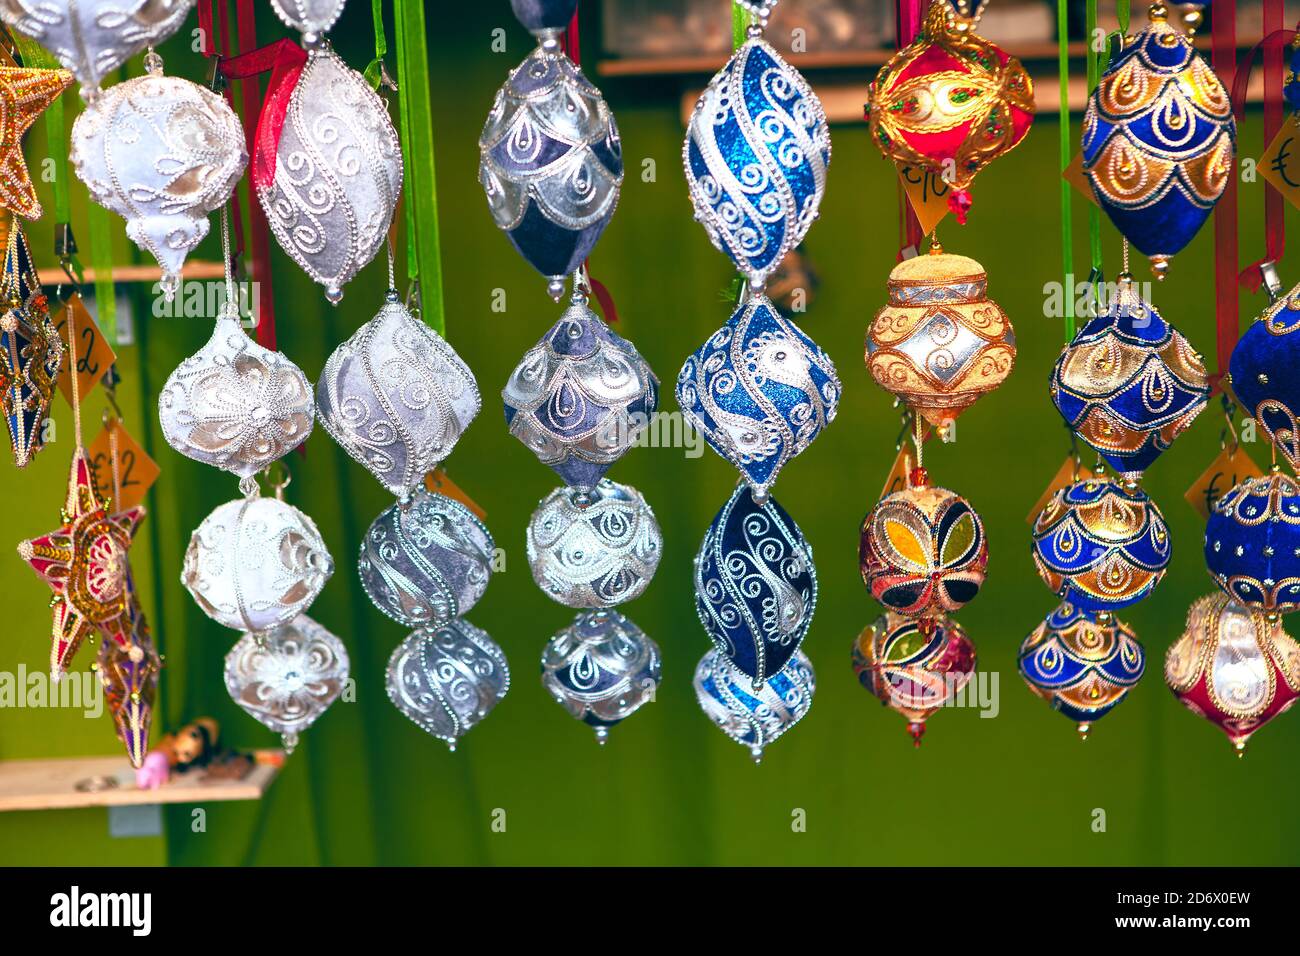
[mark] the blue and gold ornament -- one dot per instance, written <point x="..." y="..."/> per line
<point x="1262" y="372"/>
<point x="30" y="350"/>
<point x="754" y="716"/>
<point x="1252" y="544"/>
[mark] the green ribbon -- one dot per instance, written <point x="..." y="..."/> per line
<point x="740" y="21"/>
<point x="373" y="73"/>
<point x="1094" y="76"/>
<point x="1067" y="219"/>
<point x="101" y="260"/>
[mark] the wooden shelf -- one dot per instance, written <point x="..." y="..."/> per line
<point x="53" y="784"/>
<point x="53" y="275"/>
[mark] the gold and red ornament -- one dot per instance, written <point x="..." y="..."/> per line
<point x="129" y="676"/>
<point x="1233" y="666"/>
<point x="950" y="101"/>
<point x="31" y="352"/>
<point x="24" y="95"/>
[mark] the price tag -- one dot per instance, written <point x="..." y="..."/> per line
<point x="1075" y="176"/>
<point x="928" y="195"/>
<point x="1071" y="470"/>
<point x="1280" y="164"/>
<point x="1232" y="465"/>
<point x="902" y="467"/>
<point x="94" y="355"/>
<point x="438" y="482"/>
<point x="136" y="471"/>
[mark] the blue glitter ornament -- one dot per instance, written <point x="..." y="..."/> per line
<point x="754" y="717"/>
<point x="1291" y="81"/>
<point x="30" y="350"/>
<point x="755" y="585"/>
<point x="759" y="390"/>
<point x="1252" y="543"/>
<point x="756" y="152"/>
<point x="1262" y="371"/>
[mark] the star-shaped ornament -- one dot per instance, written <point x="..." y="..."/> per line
<point x="31" y="352"/>
<point x="129" y="676"/>
<point x="24" y="95"/>
<point x="86" y="566"/>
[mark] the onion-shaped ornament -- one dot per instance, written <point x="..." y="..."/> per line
<point x="1159" y="141"/>
<point x="550" y="162"/>
<point x="31" y="351"/>
<point x="756" y="153"/>
<point x="1234" y="667"/>
<point x="1129" y="383"/>
<point x="754" y="716"/>
<point x="914" y="667"/>
<point x="255" y="563"/>
<point x="755" y="585"/>
<point x="922" y="551"/>
<point x="1081" y="663"/>
<point x="601" y="668"/>
<point x="594" y="549"/>
<point x="447" y="679"/>
<point x="397" y="397"/>
<point x="92" y="38"/>
<point x="311" y="18"/>
<point x="287" y="677"/>
<point x="580" y="397"/>
<point x="941" y="342"/>
<point x="759" y="391"/>
<point x="426" y="560"/>
<point x="162" y="153"/>
<point x="1262" y="372"/>
<point x="1101" y="546"/>
<point x="1252" y="544"/>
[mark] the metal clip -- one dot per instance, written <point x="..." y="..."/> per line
<point x="1272" y="284"/>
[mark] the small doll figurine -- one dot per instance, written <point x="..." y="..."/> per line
<point x="194" y="745"/>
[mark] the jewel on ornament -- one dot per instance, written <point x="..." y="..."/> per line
<point x="426" y="560"/>
<point x="24" y="95"/>
<point x="759" y="391"/>
<point x="580" y="397"/>
<point x="447" y="680"/>
<point x="1262" y="373"/>
<point x="31" y="352"/>
<point x="311" y="18"/>
<point x="754" y="716"/>
<point x="255" y="563"/>
<point x="287" y="677"/>
<point x="1081" y="664"/>
<point x="1101" y="546"/>
<point x="1159" y="141"/>
<point x="601" y="668"/>
<point x="940" y="343"/>
<point x="1252" y="544"/>
<point x="1129" y="383"/>
<point x="396" y="397"/>
<point x="755" y="585"/>
<point x="594" y="549"/>
<point x="162" y="153"/>
<point x="922" y="551"/>
<point x="1233" y="667"/>
<point x="914" y="667"/>
<point x="129" y="677"/>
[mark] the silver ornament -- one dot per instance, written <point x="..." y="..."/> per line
<point x="162" y="153"/>
<point x="311" y="18"/>
<point x="397" y="397"/>
<point x="754" y="718"/>
<point x="255" y="563"/>
<point x="594" y="549"/>
<point x="601" y="668"/>
<point x="447" y="680"/>
<point x="426" y="560"/>
<point x="330" y="196"/>
<point x="287" y="677"/>
<point x="235" y="405"/>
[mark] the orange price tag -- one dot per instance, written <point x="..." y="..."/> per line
<point x="438" y="482"/>
<point x="94" y="354"/>
<point x="1071" y="470"/>
<point x="928" y="195"/>
<point x="1230" y="466"/>
<point x="136" y="471"/>
<point x="1075" y="176"/>
<point x="1280" y="164"/>
<point x="898" y="473"/>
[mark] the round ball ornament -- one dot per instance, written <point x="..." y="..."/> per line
<point x="755" y="585"/>
<point x="601" y="669"/>
<point x="311" y="18"/>
<point x="1252" y="544"/>
<point x="255" y="563"/>
<point x="754" y="716"/>
<point x="1159" y="141"/>
<point x="914" y="667"/>
<point x="1234" y="667"/>
<point x="941" y="342"/>
<point x="426" y="560"/>
<point x="1101" y="546"/>
<point x="594" y="549"/>
<point x="1081" y="664"/>
<point x="1262" y="374"/>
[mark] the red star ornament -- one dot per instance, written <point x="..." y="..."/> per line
<point x="24" y="95"/>
<point x="129" y="677"/>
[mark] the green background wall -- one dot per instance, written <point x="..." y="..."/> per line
<point x="367" y="786"/>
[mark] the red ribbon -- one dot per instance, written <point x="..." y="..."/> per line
<point x="908" y="15"/>
<point x="1223" y="56"/>
<point x="284" y="60"/>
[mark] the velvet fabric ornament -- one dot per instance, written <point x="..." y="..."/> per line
<point x="31" y="351"/>
<point x="1262" y="372"/>
<point x="1252" y="543"/>
<point x="1291" y="81"/>
<point x="754" y="717"/>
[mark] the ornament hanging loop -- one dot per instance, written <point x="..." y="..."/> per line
<point x="1229" y="430"/>
<point x="1272" y="283"/>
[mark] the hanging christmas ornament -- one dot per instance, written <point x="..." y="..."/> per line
<point x="397" y="397"/>
<point x="24" y="95"/>
<point x="914" y="667"/>
<point x="1291" y="79"/>
<point x="601" y="668"/>
<point x="92" y="38"/>
<point x="1233" y="667"/>
<point x="31" y="352"/>
<point x="594" y="549"/>
<point x="1262" y="373"/>
<point x="580" y="397"/>
<point x="759" y="391"/>
<point x="755" y="585"/>
<point x="426" y="560"/>
<point x="128" y="675"/>
<point x="922" y="551"/>
<point x="1101" y="546"/>
<point x="754" y="716"/>
<point x="446" y="680"/>
<point x="951" y="102"/>
<point x="311" y="18"/>
<point x="1252" y="544"/>
<point x="940" y="343"/>
<point x="162" y="153"/>
<point x="287" y="677"/>
<point x="1081" y="664"/>
<point x="1159" y="141"/>
<point x="255" y="564"/>
<point x="1128" y="384"/>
